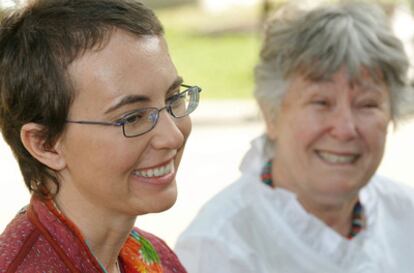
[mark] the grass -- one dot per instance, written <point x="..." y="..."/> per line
<point x="208" y="55"/>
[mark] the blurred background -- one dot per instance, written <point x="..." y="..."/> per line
<point x="215" y="44"/>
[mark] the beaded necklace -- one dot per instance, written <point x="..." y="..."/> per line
<point x="357" y="223"/>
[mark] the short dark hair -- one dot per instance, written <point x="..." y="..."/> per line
<point x="37" y="43"/>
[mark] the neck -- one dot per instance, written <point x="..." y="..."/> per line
<point x="337" y="216"/>
<point x="104" y="231"/>
<point x="336" y="212"/>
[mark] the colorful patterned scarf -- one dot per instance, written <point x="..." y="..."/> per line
<point x="139" y="256"/>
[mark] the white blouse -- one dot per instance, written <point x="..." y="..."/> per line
<point x="250" y="227"/>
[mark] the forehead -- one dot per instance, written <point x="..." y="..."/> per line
<point x="124" y="65"/>
<point x="361" y="83"/>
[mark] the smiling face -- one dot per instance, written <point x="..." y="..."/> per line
<point x="104" y="169"/>
<point x="329" y="136"/>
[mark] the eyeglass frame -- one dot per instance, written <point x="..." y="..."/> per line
<point x="122" y="121"/>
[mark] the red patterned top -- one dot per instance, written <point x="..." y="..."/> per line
<point x="41" y="239"/>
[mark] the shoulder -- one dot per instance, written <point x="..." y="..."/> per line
<point x="18" y="238"/>
<point x="389" y="194"/>
<point x="218" y="214"/>
<point x="168" y="258"/>
<point x="220" y="227"/>
<point x="389" y="188"/>
<point x="23" y="248"/>
<point x="219" y="231"/>
<point x="390" y="220"/>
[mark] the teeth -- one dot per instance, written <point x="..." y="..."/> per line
<point x="160" y="171"/>
<point x="338" y="159"/>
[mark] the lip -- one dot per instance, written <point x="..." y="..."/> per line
<point x="339" y="153"/>
<point x="158" y="165"/>
<point x="338" y="158"/>
<point x="165" y="179"/>
<point x="156" y="180"/>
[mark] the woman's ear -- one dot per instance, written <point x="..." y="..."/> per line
<point x="32" y="137"/>
<point x="271" y="123"/>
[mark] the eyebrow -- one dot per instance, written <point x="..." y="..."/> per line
<point x="364" y="85"/>
<point x="371" y="86"/>
<point x="140" y="98"/>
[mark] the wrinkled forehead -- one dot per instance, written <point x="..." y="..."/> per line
<point x="363" y="77"/>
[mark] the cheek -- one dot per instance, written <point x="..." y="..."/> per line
<point x="304" y="129"/>
<point x="100" y="153"/>
<point x="185" y="127"/>
<point x="374" y="131"/>
<point x="375" y="139"/>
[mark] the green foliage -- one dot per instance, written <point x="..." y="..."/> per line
<point x="220" y="62"/>
<point x="222" y="66"/>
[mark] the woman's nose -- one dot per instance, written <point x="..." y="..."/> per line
<point x="344" y="126"/>
<point x="167" y="133"/>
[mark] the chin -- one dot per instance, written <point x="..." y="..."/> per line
<point x="164" y="201"/>
<point x="165" y="207"/>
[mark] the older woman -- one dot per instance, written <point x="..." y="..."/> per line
<point x="97" y="118"/>
<point x="329" y="83"/>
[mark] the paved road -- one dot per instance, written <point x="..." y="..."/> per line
<point x="210" y="163"/>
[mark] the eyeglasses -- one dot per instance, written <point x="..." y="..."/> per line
<point x="143" y="120"/>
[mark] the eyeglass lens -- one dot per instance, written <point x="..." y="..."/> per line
<point x="145" y="120"/>
<point x="185" y="103"/>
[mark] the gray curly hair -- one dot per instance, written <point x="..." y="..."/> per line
<point x="318" y="43"/>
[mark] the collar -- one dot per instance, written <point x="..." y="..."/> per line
<point x="137" y="255"/>
<point x="357" y="223"/>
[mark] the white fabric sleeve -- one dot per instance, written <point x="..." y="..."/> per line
<point x="206" y="255"/>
